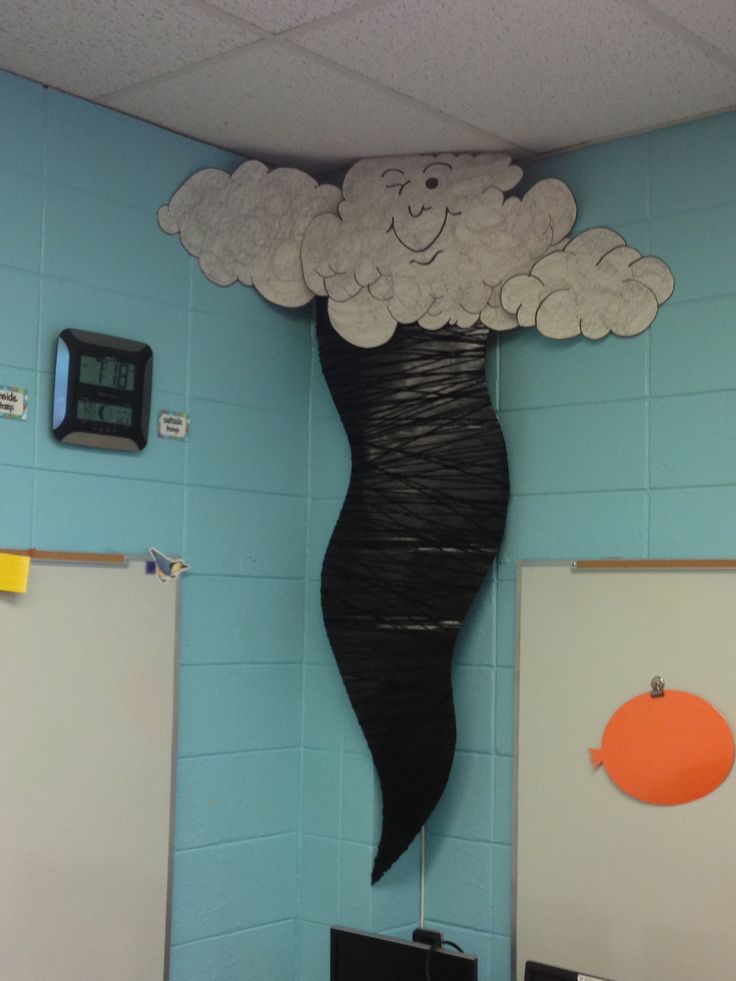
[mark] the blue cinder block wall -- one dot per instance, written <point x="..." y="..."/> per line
<point x="80" y="247"/>
<point x="616" y="447"/>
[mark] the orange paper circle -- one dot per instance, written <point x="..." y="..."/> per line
<point x="667" y="750"/>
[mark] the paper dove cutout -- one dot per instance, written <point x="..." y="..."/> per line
<point x="167" y="568"/>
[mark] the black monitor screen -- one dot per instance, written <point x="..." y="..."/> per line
<point x="358" y="956"/>
<point x="545" y="972"/>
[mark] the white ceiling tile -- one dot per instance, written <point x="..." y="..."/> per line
<point x="715" y="21"/>
<point x="274" y="17"/>
<point x="538" y="74"/>
<point x="542" y="75"/>
<point x="90" y="47"/>
<point x="282" y="105"/>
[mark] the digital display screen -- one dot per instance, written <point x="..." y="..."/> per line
<point x="107" y="373"/>
<point x="117" y="415"/>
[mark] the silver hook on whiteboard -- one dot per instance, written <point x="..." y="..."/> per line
<point x="657" y="684"/>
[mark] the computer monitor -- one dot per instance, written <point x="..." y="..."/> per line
<point x="535" y="971"/>
<point x="358" y="956"/>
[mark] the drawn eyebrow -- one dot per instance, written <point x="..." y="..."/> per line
<point x="392" y="170"/>
<point x="436" y="163"/>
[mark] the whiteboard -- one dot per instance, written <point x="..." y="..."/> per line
<point x="605" y="884"/>
<point x="86" y="748"/>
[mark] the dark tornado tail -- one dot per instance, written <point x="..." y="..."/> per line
<point x="420" y="527"/>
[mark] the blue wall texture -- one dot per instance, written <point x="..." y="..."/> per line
<point x="80" y="247"/>
<point x="616" y="447"/>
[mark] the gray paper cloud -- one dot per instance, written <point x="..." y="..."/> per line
<point x="250" y="226"/>
<point x="430" y="239"/>
<point x="595" y="286"/>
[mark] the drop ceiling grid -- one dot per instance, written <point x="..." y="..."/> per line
<point x="714" y="21"/>
<point x="284" y="105"/>
<point x="320" y="82"/>
<point x="538" y="75"/>
<point x="87" y="47"/>
<point x="275" y="17"/>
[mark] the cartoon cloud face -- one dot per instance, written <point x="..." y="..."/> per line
<point x="430" y="239"/>
<point x="421" y="196"/>
<point x="427" y="239"/>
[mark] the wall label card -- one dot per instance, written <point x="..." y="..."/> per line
<point x="173" y="425"/>
<point x="13" y="403"/>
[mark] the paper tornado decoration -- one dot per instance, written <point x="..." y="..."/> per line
<point x="414" y="260"/>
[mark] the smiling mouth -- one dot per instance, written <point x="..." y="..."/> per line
<point x="392" y="228"/>
<point x="426" y="262"/>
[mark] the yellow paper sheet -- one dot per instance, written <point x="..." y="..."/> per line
<point x="14" y="572"/>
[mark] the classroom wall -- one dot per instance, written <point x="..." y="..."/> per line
<point x="80" y="246"/>
<point x="616" y="447"/>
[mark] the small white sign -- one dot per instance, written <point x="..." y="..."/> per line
<point x="13" y="403"/>
<point x="173" y="425"/>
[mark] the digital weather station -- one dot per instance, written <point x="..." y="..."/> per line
<point x="102" y="391"/>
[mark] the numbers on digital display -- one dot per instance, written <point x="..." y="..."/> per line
<point x="107" y="372"/>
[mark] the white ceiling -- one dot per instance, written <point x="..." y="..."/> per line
<point x="319" y="83"/>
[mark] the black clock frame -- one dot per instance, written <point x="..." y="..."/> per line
<point x="68" y="426"/>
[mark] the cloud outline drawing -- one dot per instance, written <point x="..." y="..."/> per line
<point x="432" y="239"/>
<point x="248" y="226"/>
<point x="596" y="285"/>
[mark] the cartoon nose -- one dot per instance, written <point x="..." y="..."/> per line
<point x="431" y="183"/>
<point x="420" y="211"/>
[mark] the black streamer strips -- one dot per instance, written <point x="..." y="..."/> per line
<point x="420" y="528"/>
